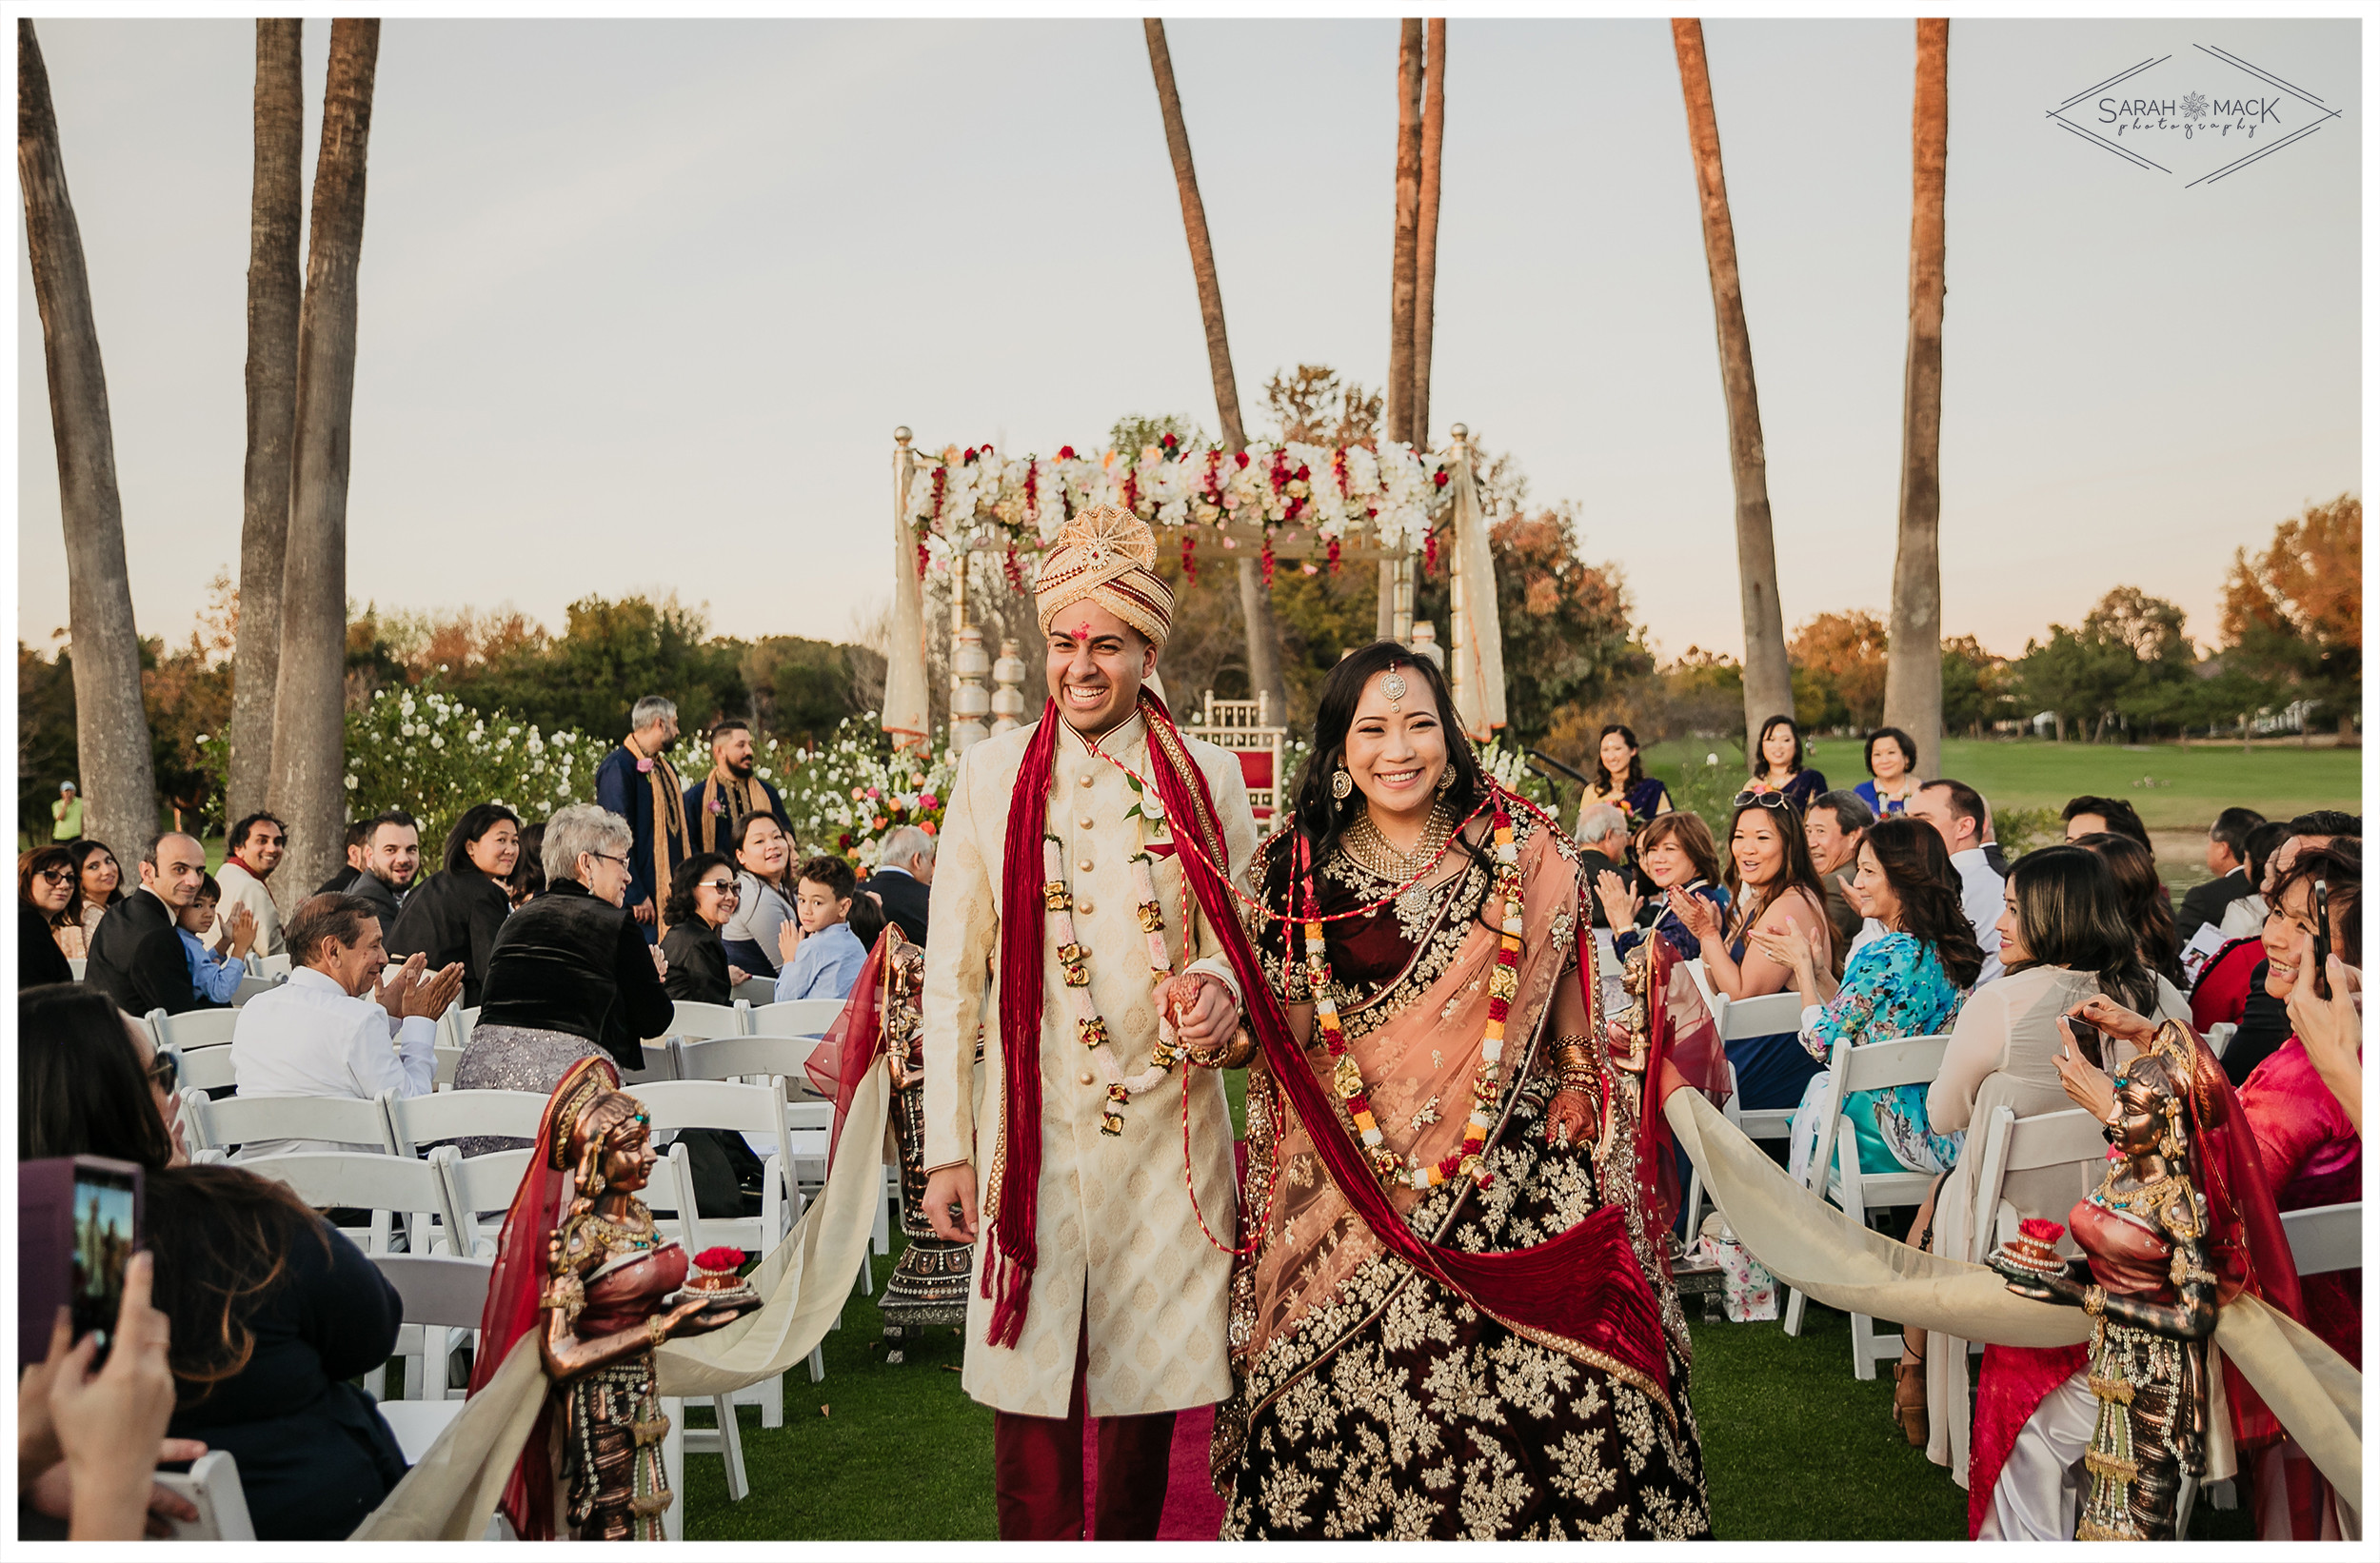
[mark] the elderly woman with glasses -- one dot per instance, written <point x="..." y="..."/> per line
<point x="44" y="883"/>
<point x="570" y="976"/>
<point x="703" y="895"/>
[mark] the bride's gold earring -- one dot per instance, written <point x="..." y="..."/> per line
<point x="1446" y="779"/>
<point x="1341" y="784"/>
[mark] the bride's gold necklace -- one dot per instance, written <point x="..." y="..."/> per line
<point x="1377" y="854"/>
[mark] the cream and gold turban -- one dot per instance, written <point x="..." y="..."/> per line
<point x="1107" y="556"/>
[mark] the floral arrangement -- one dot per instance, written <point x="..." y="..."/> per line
<point x="418" y="748"/>
<point x="845" y="795"/>
<point x="720" y="1260"/>
<point x="1388" y="494"/>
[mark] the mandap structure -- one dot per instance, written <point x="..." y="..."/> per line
<point x="1293" y="501"/>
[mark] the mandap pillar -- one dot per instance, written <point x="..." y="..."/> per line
<point x="903" y="714"/>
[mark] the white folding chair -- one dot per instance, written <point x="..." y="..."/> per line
<point x="204" y="1069"/>
<point x="192" y="1029"/>
<point x="252" y="984"/>
<point x="439" y="1292"/>
<point x="795" y="1017"/>
<point x="385" y="1185"/>
<point x="273" y="965"/>
<point x="2013" y="1144"/>
<point x="2325" y="1237"/>
<point x="703" y="1022"/>
<point x="213" y="1487"/>
<point x="480" y="1189"/>
<point x="755" y="991"/>
<point x="455" y="1027"/>
<point x="743" y="1057"/>
<point x="1908" y="1060"/>
<point x="444" y="1060"/>
<point x="660" y="1064"/>
<point x="2219" y="1036"/>
<point x="416" y="1121"/>
<point x="1737" y="1018"/>
<point x="226" y="1121"/>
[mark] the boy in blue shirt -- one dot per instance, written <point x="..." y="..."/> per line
<point x="215" y="974"/>
<point x="822" y="957"/>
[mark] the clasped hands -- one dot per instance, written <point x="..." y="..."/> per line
<point x="1207" y="1022"/>
<point x="411" y="993"/>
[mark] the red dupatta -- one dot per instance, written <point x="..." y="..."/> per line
<point x="516" y="1293"/>
<point x="848" y="1050"/>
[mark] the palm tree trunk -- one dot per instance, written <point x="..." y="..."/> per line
<point x="119" y="784"/>
<point x="1404" y="271"/>
<point x="1255" y="604"/>
<point x="1912" y="669"/>
<point x="1768" y="685"/>
<point x="276" y="223"/>
<point x="310" y="712"/>
<point x="1425" y="243"/>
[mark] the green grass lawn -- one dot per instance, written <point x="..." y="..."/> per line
<point x="1794" y="1447"/>
<point x="2191" y="785"/>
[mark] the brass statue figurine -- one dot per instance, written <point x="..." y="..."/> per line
<point x="606" y="1305"/>
<point x="929" y="1286"/>
<point x="2146" y="1281"/>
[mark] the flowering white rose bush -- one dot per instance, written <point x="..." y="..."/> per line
<point x="852" y="791"/>
<point x="418" y="748"/>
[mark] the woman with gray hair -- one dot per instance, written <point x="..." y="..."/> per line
<point x="570" y="976"/>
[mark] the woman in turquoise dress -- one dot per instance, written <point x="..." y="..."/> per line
<point x="1908" y="983"/>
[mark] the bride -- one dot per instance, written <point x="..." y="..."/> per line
<point x="1400" y="1368"/>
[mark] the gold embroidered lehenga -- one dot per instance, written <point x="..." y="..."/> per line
<point x="1371" y="1400"/>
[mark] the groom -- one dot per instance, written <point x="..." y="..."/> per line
<point x="1098" y="1292"/>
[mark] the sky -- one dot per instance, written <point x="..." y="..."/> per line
<point x="641" y="301"/>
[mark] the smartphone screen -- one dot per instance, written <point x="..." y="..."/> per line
<point x="2322" y="939"/>
<point x="106" y="1232"/>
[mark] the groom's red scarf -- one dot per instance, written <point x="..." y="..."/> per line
<point x="1582" y="1293"/>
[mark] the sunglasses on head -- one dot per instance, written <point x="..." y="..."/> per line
<point x="1766" y="799"/>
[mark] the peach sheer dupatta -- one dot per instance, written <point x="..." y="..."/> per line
<point x="1418" y="1065"/>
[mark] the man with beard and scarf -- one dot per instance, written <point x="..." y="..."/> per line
<point x="729" y="791"/>
<point x="1061" y="865"/>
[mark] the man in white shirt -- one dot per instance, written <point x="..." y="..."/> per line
<point x="334" y="1029"/>
<point x="1957" y="811"/>
<point x="254" y="849"/>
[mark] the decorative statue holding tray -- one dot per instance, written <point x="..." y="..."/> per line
<point x="2147" y="1283"/>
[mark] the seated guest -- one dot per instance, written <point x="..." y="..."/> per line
<point x="868" y="920"/>
<point x="98" y="885"/>
<point x="763" y="894"/>
<point x="1619" y="779"/>
<point x="2227" y="860"/>
<point x="2146" y="906"/>
<point x="729" y="791"/>
<point x="334" y="1029"/>
<point x="455" y="914"/>
<point x="392" y="854"/>
<point x="904" y="880"/>
<point x="252" y="849"/>
<point x="358" y="849"/>
<point x="1955" y="811"/>
<point x="2064" y="936"/>
<point x="215" y="971"/>
<point x="1776" y="763"/>
<point x="821" y="955"/>
<point x="1675" y="852"/>
<point x="702" y="897"/>
<point x="2093" y="816"/>
<point x="1891" y="785"/>
<point x="570" y="976"/>
<point x="527" y="879"/>
<point x="1771" y="888"/>
<point x="136" y="957"/>
<point x="1603" y="849"/>
<point x="271" y="1311"/>
<point x="1834" y="826"/>
<point x="1907" y="983"/>
<point x="2244" y="917"/>
<point x="45" y="885"/>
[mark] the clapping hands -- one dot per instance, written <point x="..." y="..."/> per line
<point x="412" y="995"/>
<point x="1620" y="903"/>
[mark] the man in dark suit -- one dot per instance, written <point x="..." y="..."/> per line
<point x="636" y="782"/>
<point x="903" y="881"/>
<point x="392" y="853"/>
<point x="136" y="956"/>
<point x="359" y="841"/>
<point x="2227" y="860"/>
<point x="1603" y="840"/>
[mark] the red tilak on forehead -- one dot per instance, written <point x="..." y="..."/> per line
<point x="1083" y="631"/>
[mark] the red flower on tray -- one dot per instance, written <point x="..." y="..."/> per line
<point x="720" y="1260"/>
<point x="2041" y="1230"/>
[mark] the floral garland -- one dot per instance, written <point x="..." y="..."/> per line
<point x="1487" y="1085"/>
<point x="1387" y="494"/>
<point x="1090" y="1027"/>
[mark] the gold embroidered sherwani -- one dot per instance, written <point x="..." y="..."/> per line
<point x="1117" y="1237"/>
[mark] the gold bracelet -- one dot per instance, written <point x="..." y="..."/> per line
<point x="2095" y="1301"/>
<point x="657" y="1329"/>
